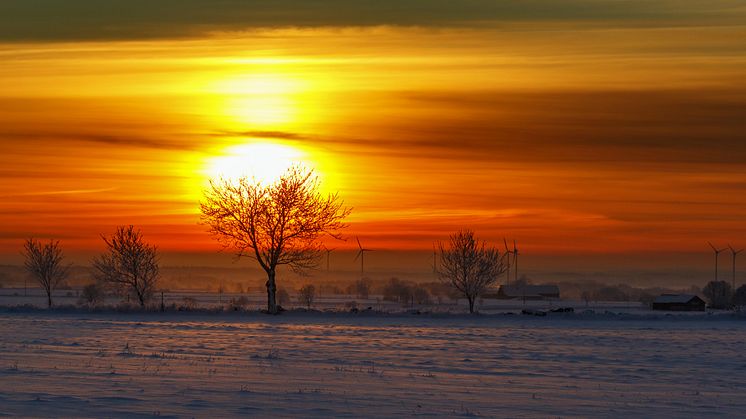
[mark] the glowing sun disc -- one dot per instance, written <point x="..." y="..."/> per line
<point x="262" y="162"/>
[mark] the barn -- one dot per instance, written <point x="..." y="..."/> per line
<point x="679" y="302"/>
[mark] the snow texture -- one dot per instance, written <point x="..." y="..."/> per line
<point x="58" y="364"/>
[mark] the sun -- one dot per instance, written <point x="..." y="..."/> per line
<point x="263" y="162"/>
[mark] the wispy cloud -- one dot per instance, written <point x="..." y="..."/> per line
<point x="67" y="192"/>
<point x="113" y="140"/>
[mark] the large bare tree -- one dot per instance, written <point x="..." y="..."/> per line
<point x="469" y="265"/>
<point x="45" y="263"/>
<point x="275" y="224"/>
<point x="129" y="263"/>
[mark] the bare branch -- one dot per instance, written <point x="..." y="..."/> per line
<point x="129" y="263"/>
<point x="45" y="264"/>
<point x="469" y="266"/>
<point x="276" y="224"/>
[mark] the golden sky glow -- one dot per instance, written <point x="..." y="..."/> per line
<point x="572" y="135"/>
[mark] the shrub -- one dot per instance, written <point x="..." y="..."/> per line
<point x="351" y="305"/>
<point x="306" y="295"/>
<point x="188" y="303"/>
<point x="397" y="290"/>
<point x="718" y="293"/>
<point x="239" y="303"/>
<point x="91" y="295"/>
<point x="360" y="288"/>
<point x="739" y="297"/>
<point x="421" y="295"/>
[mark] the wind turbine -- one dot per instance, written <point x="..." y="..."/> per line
<point x="435" y="260"/>
<point x="515" y="260"/>
<point x="735" y="253"/>
<point x="508" y="254"/>
<point x="717" y="253"/>
<point x="328" y="252"/>
<point x="361" y="255"/>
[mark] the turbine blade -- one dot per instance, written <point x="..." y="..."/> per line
<point x="713" y="246"/>
<point x="358" y="242"/>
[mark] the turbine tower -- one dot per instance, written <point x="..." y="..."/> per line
<point x="435" y="260"/>
<point x="328" y="252"/>
<point x="717" y="253"/>
<point x="515" y="260"/>
<point x="508" y="255"/>
<point x="361" y="255"/>
<point x="735" y="253"/>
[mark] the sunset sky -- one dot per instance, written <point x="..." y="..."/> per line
<point x="575" y="126"/>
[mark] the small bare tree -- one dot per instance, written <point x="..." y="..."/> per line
<point x="129" y="263"/>
<point x="45" y="263"/>
<point x="91" y="295"/>
<point x="276" y="224"/>
<point x="360" y="288"/>
<point x="470" y="266"/>
<point x="719" y="294"/>
<point x="739" y="297"/>
<point x="307" y="294"/>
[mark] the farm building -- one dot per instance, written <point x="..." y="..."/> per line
<point x="679" y="302"/>
<point x="528" y="292"/>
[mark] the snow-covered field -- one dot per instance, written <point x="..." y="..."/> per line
<point x="77" y="364"/>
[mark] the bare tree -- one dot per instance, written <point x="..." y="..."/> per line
<point x="470" y="266"/>
<point x="45" y="263"/>
<point x="91" y="295"/>
<point x="129" y="263"/>
<point x="307" y="294"/>
<point x="276" y="224"/>
<point x="719" y="294"/>
<point x="360" y="288"/>
<point x="739" y="297"/>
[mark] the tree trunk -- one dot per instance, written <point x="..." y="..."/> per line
<point x="140" y="297"/>
<point x="271" y="293"/>
<point x="471" y="304"/>
<point x="49" y="298"/>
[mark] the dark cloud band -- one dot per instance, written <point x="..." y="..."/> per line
<point x="64" y="20"/>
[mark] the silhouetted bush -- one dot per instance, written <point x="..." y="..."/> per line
<point x="306" y="295"/>
<point x="719" y="294"/>
<point x="397" y="290"/>
<point x="239" y="303"/>
<point x="421" y="295"/>
<point x="360" y="288"/>
<point x="188" y="303"/>
<point x="92" y="295"/>
<point x="739" y="297"/>
<point x="351" y="305"/>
